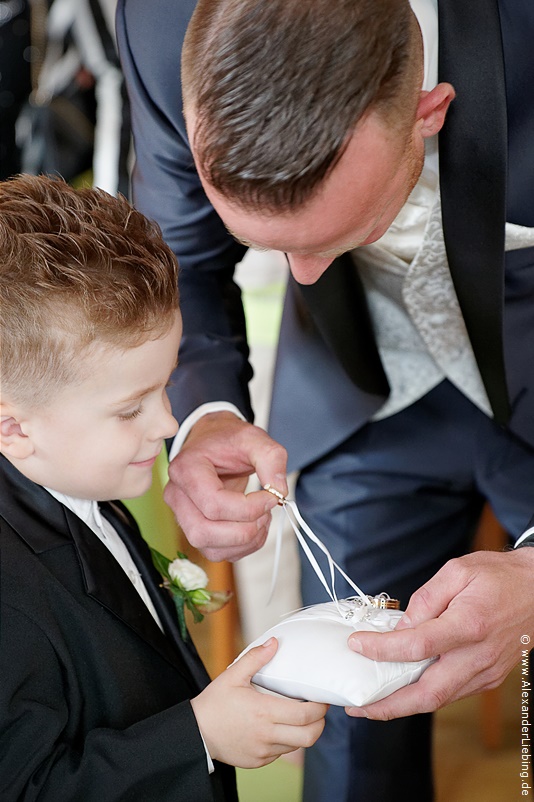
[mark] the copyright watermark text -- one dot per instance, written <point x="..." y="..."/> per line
<point x="526" y="757"/>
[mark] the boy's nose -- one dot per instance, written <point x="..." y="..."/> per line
<point x="171" y="425"/>
<point x="165" y="425"/>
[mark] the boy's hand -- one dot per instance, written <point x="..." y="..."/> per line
<point x="246" y="728"/>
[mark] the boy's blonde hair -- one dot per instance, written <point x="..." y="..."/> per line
<point x="77" y="267"/>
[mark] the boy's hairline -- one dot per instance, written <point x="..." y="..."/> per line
<point x="32" y="398"/>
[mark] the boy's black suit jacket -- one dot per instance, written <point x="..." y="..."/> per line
<point x="94" y="698"/>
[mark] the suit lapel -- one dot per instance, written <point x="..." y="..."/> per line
<point x="339" y="310"/>
<point x="126" y="527"/>
<point x="473" y="147"/>
<point x="45" y="524"/>
<point x="517" y="26"/>
<point x="106" y="582"/>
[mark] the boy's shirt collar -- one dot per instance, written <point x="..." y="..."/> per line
<point x="84" y="508"/>
<point x="89" y="512"/>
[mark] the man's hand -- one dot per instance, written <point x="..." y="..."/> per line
<point x="207" y="482"/>
<point x="476" y="614"/>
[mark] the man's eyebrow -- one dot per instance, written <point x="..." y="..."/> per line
<point x="247" y="243"/>
<point x="333" y="252"/>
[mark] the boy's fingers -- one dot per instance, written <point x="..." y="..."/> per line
<point x="294" y="713"/>
<point x="296" y="737"/>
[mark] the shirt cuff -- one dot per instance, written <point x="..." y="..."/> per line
<point x="526" y="536"/>
<point x="189" y="422"/>
<point x="211" y="767"/>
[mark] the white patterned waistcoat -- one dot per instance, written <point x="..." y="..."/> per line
<point x="419" y="328"/>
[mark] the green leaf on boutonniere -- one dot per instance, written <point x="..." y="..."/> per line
<point x="161" y="563"/>
<point x="179" y="605"/>
<point x="197" y="615"/>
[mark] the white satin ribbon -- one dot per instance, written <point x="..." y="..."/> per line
<point x="303" y="531"/>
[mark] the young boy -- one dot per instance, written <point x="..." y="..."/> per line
<point x="100" y="699"/>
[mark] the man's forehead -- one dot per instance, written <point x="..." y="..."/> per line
<point x="337" y="215"/>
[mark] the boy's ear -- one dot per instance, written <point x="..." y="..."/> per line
<point x="433" y="107"/>
<point x="13" y="442"/>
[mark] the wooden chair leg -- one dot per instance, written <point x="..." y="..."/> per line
<point x="224" y="624"/>
<point x="491" y="718"/>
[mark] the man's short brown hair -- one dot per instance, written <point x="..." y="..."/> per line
<point x="276" y="88"/>
<point x="77" y="267"/>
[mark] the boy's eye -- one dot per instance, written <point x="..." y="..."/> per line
<point x="131" y="415"/>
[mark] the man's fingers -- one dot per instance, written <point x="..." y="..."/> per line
<point x="434" y="597"/>
<point x="274" y="473"/>
<point x="430" y="639"/>
<point x="205" y="489"/>
<point x="208" y="480"/>
<point x="438" y="618"/>
<point x="402" y="703"/>
<point x="233" y="448"/>
<point x="432" y="691"/>
<point x="232" y="506"/>
<point x="232" y="537"/>
<point x="452" y="677"/>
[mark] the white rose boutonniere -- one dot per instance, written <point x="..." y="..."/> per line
<point x="187" y="584"/>
<point x="188" y="575"/>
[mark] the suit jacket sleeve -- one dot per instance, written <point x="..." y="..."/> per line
<point x="161" y="757"/>
<point x="166" y="188"/>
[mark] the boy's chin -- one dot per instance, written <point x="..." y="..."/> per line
<point x="135" y="490"/>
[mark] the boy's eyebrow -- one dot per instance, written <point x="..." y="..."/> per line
<point x="140" y="393"/>
<point x="136" y="396"/>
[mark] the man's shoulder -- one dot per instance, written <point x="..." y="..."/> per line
<point x="137" y="16"/>
<point x="150" y="52"/>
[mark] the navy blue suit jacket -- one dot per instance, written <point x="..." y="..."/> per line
<point x="329" y="379"/>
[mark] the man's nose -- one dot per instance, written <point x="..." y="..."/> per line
<point x="307" y="269"/>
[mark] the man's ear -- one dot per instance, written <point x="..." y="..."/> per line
<point x="433" y="107"/>
<point x="13" y="442"/>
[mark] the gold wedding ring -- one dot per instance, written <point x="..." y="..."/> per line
<point x="281" y="498"/>
<point x="384" y="602"/>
